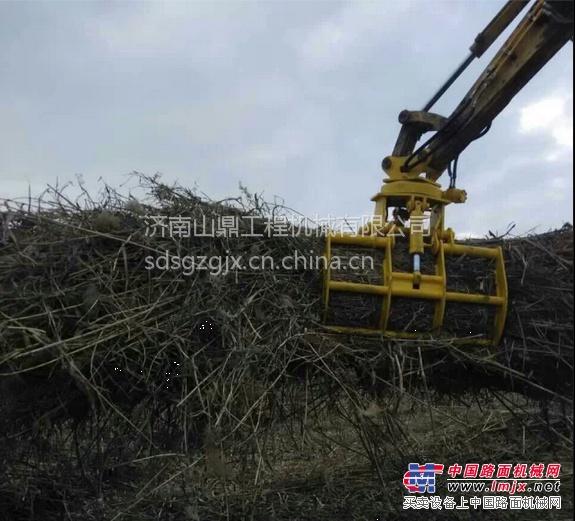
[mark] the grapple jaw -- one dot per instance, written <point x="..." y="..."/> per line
<point x="416" y="285"/>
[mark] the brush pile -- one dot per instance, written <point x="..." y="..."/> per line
<point x="113" y="352"/>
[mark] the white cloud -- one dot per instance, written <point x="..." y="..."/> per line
<point x="557" y="189"/>
<point x="564" y="134"/>
<point x="197" y="30"/>
<point x="301" y="138"/>
<point x="541" y="114"/>
<point x="551" y="116"/>
<point x="18" y="189"/>
<point x="341" y="38"/>
<point x="462" y="236"/>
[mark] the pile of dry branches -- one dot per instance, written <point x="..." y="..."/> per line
<point x="137" y="361"/>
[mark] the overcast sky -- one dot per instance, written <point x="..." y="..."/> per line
<point x="296" y="99"/>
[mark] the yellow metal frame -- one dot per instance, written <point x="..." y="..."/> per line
<point x="411" y="186"/>
<point x="416" y="194"/>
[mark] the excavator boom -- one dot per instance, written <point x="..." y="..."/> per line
<point x="544" y="31"/>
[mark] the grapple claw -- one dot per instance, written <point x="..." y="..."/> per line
<point x="411" y="293"/>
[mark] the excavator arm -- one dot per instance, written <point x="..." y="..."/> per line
<point x="409" y="216"/>
<point x="545" y="29"/>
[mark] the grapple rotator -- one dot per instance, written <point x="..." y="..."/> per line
<point x="411" y="211"/>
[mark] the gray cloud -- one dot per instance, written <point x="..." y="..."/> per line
<point x="296" y="99"/>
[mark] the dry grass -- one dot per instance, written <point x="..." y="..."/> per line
<point x="137" y="394"/>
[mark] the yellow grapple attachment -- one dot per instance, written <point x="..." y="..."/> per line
<point x="422" y="239"/>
